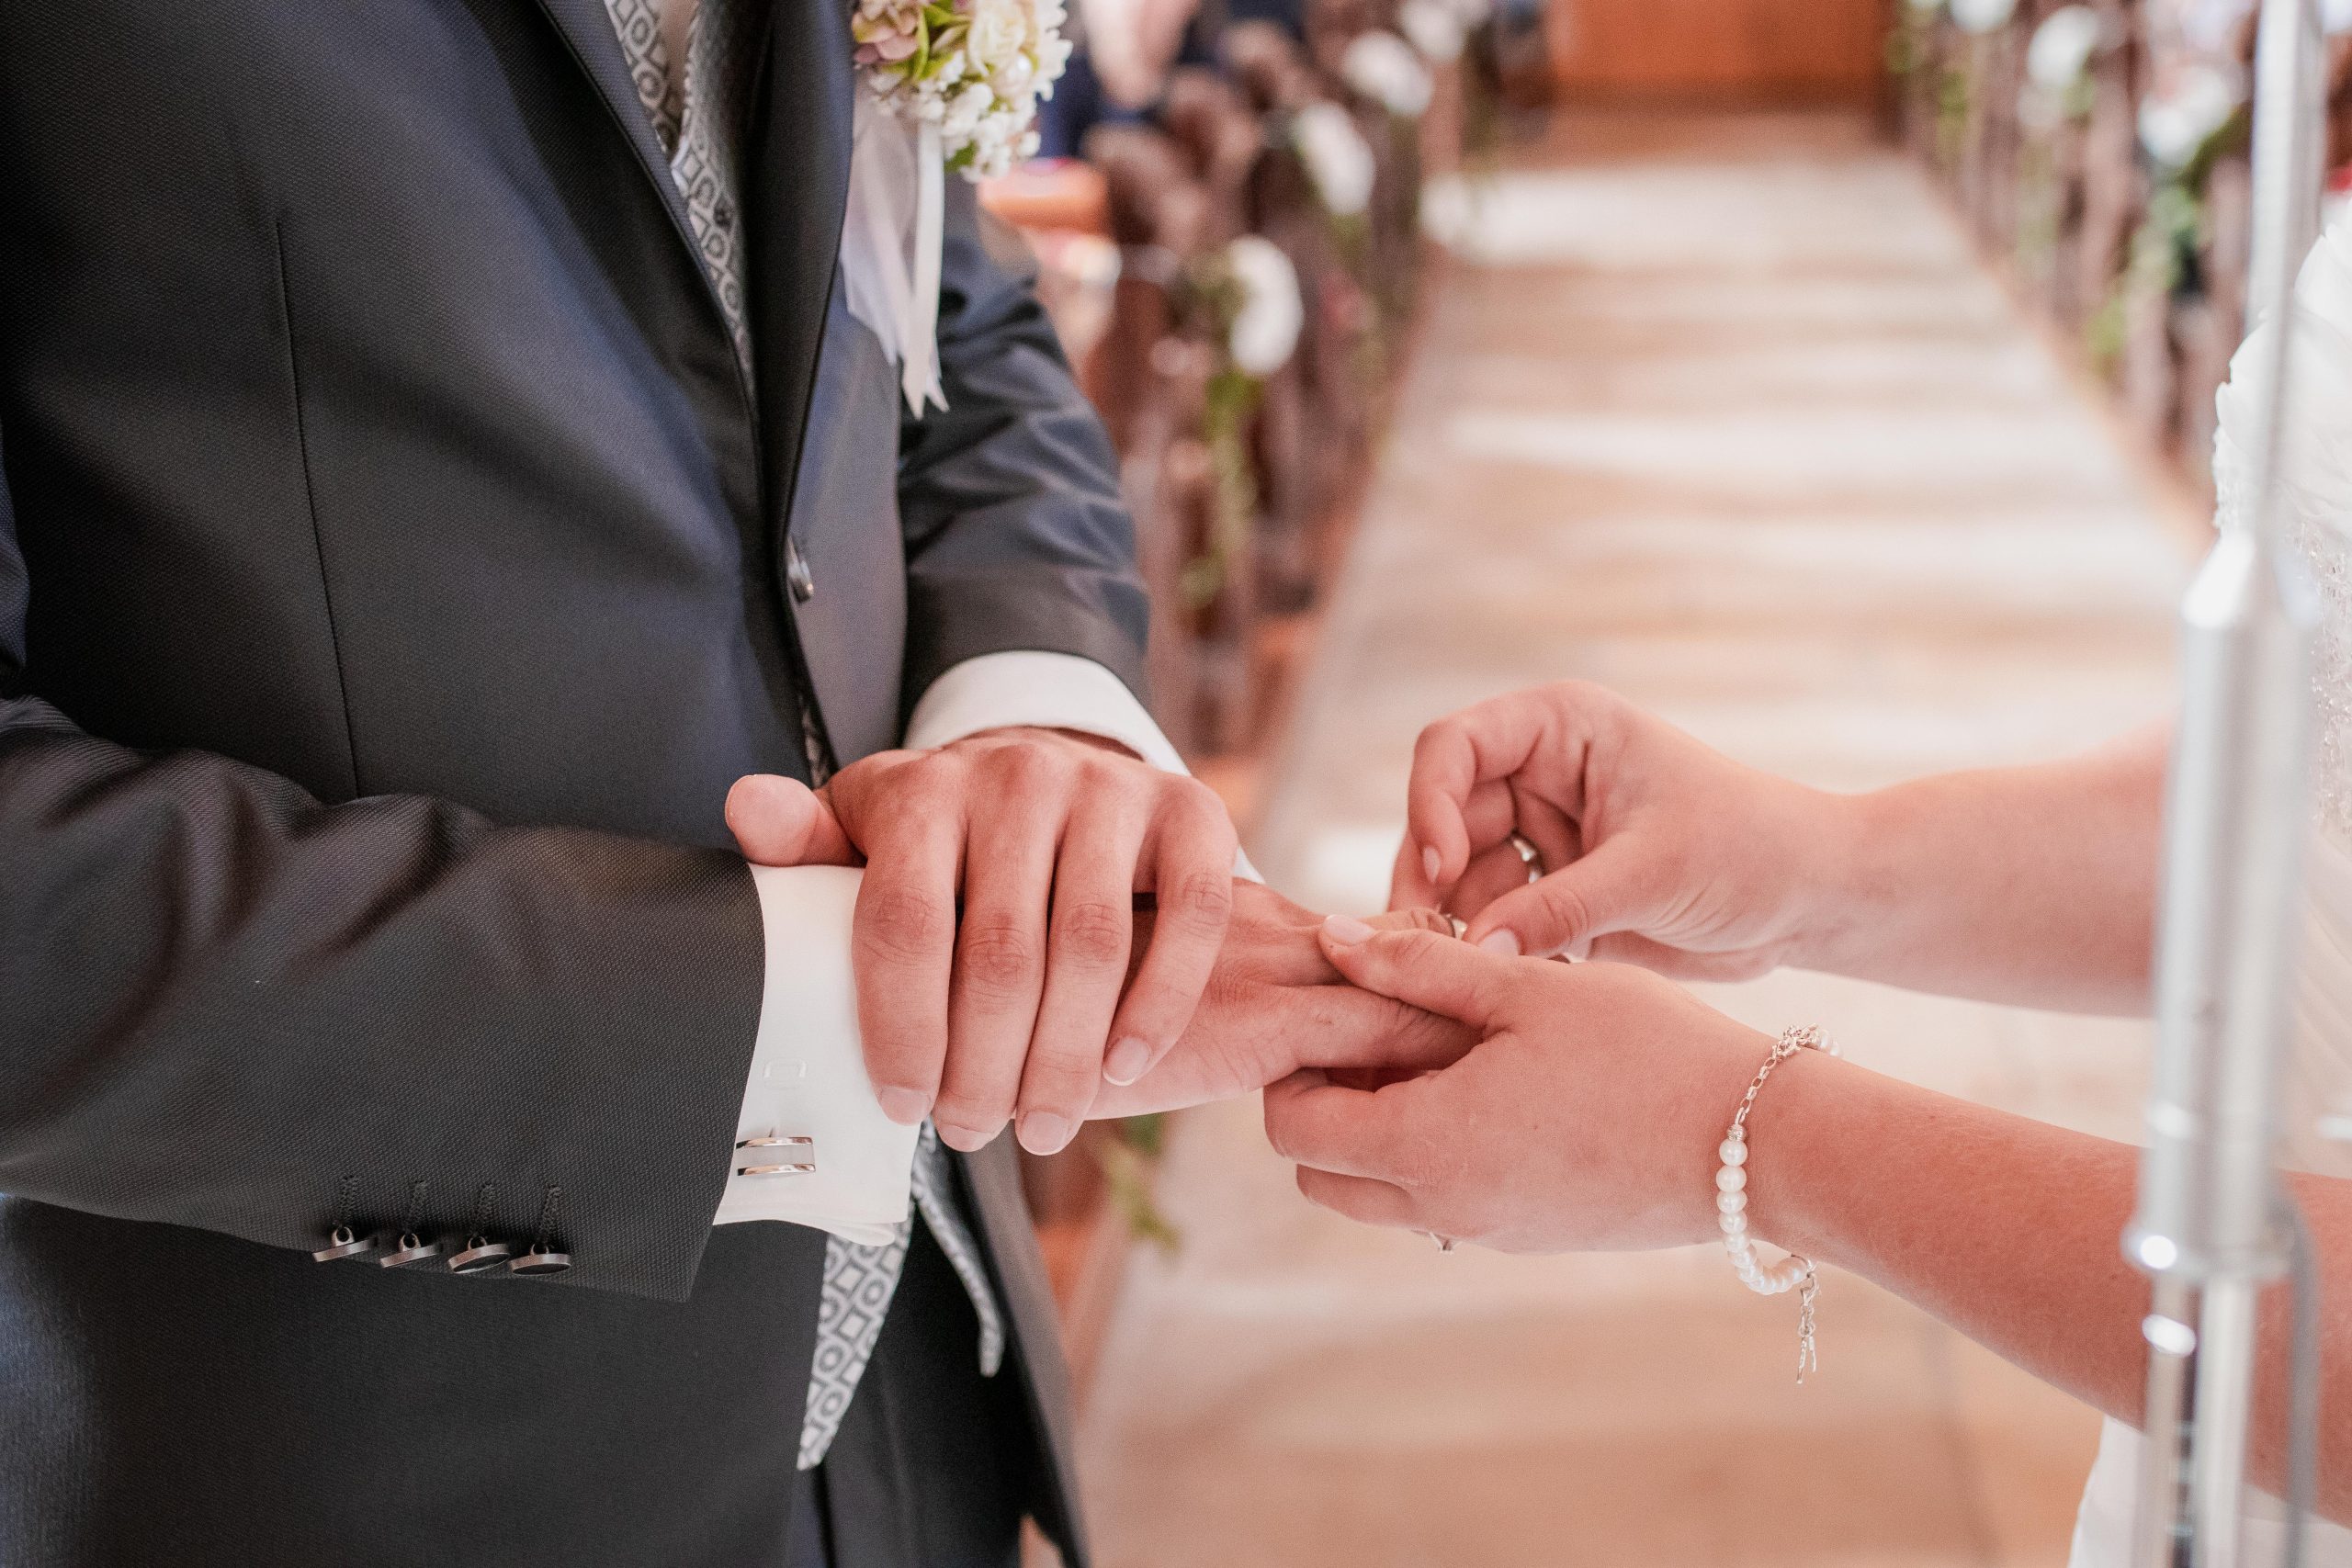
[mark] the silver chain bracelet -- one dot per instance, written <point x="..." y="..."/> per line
<point x="1793" y="1271"/>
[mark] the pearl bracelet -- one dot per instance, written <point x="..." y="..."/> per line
<point x="1791" y="1272"/>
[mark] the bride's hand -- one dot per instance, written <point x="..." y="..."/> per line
<point x="1663" y="852"/>
<point x="1585" y="1119"/>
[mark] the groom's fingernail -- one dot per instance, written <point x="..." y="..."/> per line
<point x="966" y="1140"/>
<point x="1346" y="930"/>
<point x="1505" y="942"/>
<point x="1429" y="863"/>
<point x="1043" y="1133"/>
<point x="904" y="1106"/>
<point x="1126" y="1061"/>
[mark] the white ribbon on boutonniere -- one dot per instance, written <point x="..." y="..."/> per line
<point x="947" y="84"/>
<point x="890" y="244"/>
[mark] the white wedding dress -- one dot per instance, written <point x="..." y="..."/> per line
<point x="2318" y="465"/>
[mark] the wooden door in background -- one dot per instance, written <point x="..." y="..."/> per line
<point x="1726" y="52"/>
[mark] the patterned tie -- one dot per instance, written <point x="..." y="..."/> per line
<point x="700" y="120"/>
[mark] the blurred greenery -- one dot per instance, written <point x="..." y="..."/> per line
<point x="1128" y="1161"/>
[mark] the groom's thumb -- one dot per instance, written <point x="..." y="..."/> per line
<point x="781" y="821"/>
<point x="1419" y="968"/>
<point x="1600" y="892"/>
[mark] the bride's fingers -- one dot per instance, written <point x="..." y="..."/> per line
<point x="1360" y="1198"/>
<point x="1490" y="814"/>
<point x="1610" y="890"/>
<point x="1675" y="962"/>
<point x="1419" y="968"/>
<point x="1498" y="865"/>
<point x="1418" y="919"/>
<point x="1488" y="817"/>
<point x="1437" y="837"/>
<point x="1379" y="1158"/>
<point x="1490" y="742"/>
<point x="1492" y="874"/>
<point x="1558" y="838"/>
<point x="1341" y="1133"/>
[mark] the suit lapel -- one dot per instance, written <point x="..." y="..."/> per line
<point x="795" y="168"/>
<point x="795" y="188"/>
<point x="587" y="28"/>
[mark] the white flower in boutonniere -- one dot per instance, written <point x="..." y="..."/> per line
<point x="948" y="85"/>
<point x="974" y="69"/>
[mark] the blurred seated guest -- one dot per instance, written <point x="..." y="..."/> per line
<point x="1118" y="64"/>
<point x="1601" y="1096"/>
<point x="1125" y="49"/>
<point x="1203" y="40"/>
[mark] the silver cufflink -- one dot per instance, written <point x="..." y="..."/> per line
<point x="784" y="1151"/>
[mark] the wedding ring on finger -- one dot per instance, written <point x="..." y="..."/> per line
<point x="1530" y="856"/>
<point x="1533" y="859"/>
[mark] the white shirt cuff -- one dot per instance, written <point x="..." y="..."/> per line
<point x="1047" y="690"/>
<point x="807" y="1074"/>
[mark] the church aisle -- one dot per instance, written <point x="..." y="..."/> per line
<point x="1723" y="413"/>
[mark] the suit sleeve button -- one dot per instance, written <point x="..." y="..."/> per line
<point x="344" y="1242"/>
<point x="412" y="1248"/>
<point x="480" y="1253"/>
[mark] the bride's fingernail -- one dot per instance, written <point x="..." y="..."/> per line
<point x="1346" y="930"/>
<point x="1429" y="861"/>
<point x="1126" y="1061"/>
<point x="1505" y="942"/>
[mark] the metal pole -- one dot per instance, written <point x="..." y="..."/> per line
<point x="2235" y="812"/>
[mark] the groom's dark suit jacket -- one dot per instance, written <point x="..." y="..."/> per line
<point x="394" y="574"/>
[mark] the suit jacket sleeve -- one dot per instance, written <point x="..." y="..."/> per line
<point x="225" y="1004"/>
<point x="1016" y="536"/>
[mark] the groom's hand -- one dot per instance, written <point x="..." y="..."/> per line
<point x="1016" y="1009"/>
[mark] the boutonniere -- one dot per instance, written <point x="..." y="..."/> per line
<point x="972" y="70"/>
<point x="947" y="84"/>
